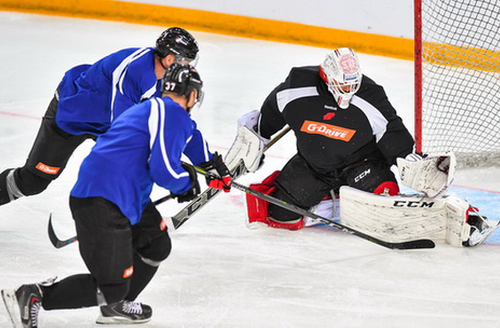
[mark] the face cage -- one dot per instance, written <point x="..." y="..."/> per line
<point x="344" y="89"/>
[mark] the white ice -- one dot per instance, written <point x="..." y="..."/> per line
<point x="220" y="274"/>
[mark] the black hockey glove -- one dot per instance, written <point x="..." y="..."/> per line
<point x="221" y="181"/>
<point x="193" y="190"/>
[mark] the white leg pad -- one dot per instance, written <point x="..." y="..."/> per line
<point x="403" y="217"/>
<point x="457" y="230"/>
<point x="393" y="218"/>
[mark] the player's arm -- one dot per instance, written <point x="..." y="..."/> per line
<point x="165" y="164"/>
<point x="271" y="119"/>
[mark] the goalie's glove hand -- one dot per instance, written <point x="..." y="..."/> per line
<point x="221" y="180"/>
<point x="193" y="190"/>
<point x="442" y="163"/>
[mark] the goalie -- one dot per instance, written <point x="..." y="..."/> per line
<point x="347" y="134"/>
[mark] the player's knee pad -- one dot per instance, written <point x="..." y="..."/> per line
<point x="156" y="250"/>
<point x="28" y="183"/>
<point x="387" y="187"/>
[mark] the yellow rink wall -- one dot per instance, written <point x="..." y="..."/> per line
<point x="220" y="23"/>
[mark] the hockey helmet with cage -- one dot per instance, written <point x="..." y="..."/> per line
<point x="341" y="73"/>
<point x="182" y="80"/>
<point x="179" y="42"/>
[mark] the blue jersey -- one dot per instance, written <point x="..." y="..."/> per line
<point x="92" y="96"/>
<point x="142" y="147"/>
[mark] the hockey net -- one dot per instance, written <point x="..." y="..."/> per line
<point x="457" y="79"/>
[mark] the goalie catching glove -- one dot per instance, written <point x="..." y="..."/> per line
<point x="431" y="175"/>
<point x="220" y="177"/>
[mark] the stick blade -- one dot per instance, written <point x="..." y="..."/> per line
<point x="55" y="241"/>
<point x="412" y="244"/>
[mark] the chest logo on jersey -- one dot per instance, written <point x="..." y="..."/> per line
<point x="327" y="130"/>
<point x="328" y="116"/>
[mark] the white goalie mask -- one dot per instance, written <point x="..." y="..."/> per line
<point x="341" y="73"/>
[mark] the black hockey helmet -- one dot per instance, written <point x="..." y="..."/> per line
<point x="181" y="80"/>
<point x="177" y="41"/>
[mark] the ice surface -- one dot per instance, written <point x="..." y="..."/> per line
<point x="220" y="274"/>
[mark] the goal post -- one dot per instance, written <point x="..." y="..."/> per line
<point x="457" y="79"/>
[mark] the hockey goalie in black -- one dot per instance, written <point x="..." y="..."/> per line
<point x="347" y="132"/>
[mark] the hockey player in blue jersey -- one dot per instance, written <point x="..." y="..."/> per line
<point x="88" y="99"/>
<point x="122" y="236"/>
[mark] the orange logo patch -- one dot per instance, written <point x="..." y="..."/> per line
<point x="163" y="226"/>
<point x="327" y="130"/>
<point x="47" y="169"/>
<point x="128" y="272"/>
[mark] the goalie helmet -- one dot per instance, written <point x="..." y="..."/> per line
<point x="181" y="43"/>
<point x="341" y="73"/>
<point x="182" y="80"/>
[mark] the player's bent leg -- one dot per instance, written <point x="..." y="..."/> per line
<point x="258" y="214"/>
<point x="9" y="190"/>
<point x="152" y="246"/>
<point x="20" y="182"/>
<point x="106" y="246"/>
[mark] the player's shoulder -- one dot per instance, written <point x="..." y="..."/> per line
<point x="303" y="76"/>
<point x="368" y="84"/>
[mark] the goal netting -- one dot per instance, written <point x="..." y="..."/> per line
<point x="457" y="77"/>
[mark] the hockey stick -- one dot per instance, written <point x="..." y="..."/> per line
<point x="58" y="243"/>
<point x="196" y="204"/>
<point x="412" y="244"/>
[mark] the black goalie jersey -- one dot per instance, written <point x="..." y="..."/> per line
<point x="328" y="137"/>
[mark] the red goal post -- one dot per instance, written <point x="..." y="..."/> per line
<point x="457" y="79"/>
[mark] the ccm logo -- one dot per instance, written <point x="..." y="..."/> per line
<point x="327" y="130"/>
<point x="407" y="203"/>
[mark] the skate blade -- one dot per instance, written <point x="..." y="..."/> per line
<point x="102" y="320"/>
<point x="10" y="301"/>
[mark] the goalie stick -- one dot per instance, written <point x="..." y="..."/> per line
<point x="412" y="244"/>
<point x="187" y="212"/>
<point x="58" y="243"/>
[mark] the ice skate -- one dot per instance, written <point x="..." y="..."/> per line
<point x="125" y="312"/>
<point x="480" y="229"/>
<point x="23" y="305"/>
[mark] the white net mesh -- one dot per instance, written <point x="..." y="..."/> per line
<point x="461" y="79"/>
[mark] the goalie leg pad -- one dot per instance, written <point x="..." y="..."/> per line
<point x="457" y="229"/>
<point x="393" y="218"/>
<point x="257" y="213"/>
